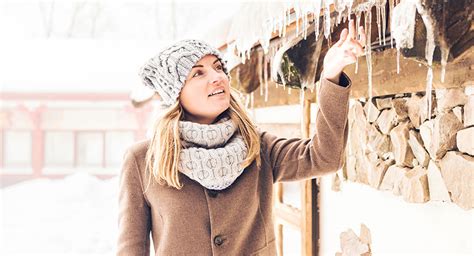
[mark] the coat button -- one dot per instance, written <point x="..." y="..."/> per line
<point x="218" y="240"/>
<point x="212" y="193"/>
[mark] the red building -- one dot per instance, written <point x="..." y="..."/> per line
<point x="71" y="113"/>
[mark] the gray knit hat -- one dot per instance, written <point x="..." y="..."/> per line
<point x="166" y="72"/>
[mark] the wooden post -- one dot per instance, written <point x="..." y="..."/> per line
<point x="306" y="189"/>
<point x="278" y="226"/>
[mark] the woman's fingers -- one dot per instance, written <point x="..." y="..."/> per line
<point x="358" y="48"/>
<point x="362" y="36"/>
<point x="343" y="37"/>
<point x="351" y="29"/>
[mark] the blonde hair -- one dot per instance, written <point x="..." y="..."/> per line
<point x="162" y="156"/>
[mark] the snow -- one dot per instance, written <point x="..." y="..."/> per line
<point x="403" y="26"/>
<point x="273" y="16"/>
<point x="76" y="215"/>
<point x="397" y="227"/>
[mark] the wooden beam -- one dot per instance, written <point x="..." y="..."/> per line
<point x="278" y="226"/>
<point x="288" y="215"/>
<point x="385" y="79"/>
<point x="412" y="77"/>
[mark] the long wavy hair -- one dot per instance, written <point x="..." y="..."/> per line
<point x="162" y="156"/>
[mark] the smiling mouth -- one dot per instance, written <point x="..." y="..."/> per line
<point x="216" y="93"/>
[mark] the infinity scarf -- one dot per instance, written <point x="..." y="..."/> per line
<point x="211" y="154"/>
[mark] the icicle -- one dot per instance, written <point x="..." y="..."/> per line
<point x="317" y="10"/>
<point x="327" y="19"/>
<point x="270" y="59"/>
<point x="301" y="96"/>
<point x="237" y="75"/>
<point x="403" y="26"/>
<point x="265" y="76"/>
<point x="259" y="71"/>
<point x="252" y="102"/>
<point x="384" y="22"/>
<point x="391" y="5"/>
<point x="398" y="60"/>
<point x="444" y="61"/>
<point x="368" y="53"/>
<point x="247" y="101"/>
<point x="357" y="21"/>
<point x="379" y="28"/>
<point x="357" y="14"/>
<point x="429" y="50"/>
<point x="429" y="89"/>
<point x="297" y="22"/>
<point x="305" y="25"/>
<point x="339" y="6"/>
<point x="349" y="4"/>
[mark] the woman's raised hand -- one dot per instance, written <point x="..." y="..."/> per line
<point x="344" y="52"/>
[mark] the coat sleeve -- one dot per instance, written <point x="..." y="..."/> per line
<point x="134" y="221"/>
<point x="298" y="159"/>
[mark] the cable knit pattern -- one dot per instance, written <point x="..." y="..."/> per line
<point x="211" y="154"/>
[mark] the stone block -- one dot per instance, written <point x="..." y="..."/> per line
<point x="457" y="171"/>
<point x="402" y="151"/>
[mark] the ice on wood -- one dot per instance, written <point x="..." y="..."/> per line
<point x="272" y="17"/>
<point x="403" y="26"/>
<point x="275" y="17"/>
<point x="429" y="50"/>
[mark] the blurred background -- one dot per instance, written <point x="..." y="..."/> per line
<point x="72" y="102"/>
<point x="68" y="69"/>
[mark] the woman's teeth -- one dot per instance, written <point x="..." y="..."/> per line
<point x="216" y="92"/>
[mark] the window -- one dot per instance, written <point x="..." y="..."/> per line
<point x="97" y="152"/>
<point x="59" y="149"/>
<point x="17" y="149"/>
<point x="90" y="149"/>
<point x="115" y="145"/>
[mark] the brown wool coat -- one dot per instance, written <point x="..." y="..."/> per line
<point x="237" y="220"/>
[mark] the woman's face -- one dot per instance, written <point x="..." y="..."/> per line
<point x="206" y="92"/>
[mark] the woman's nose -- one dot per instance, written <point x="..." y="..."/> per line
<point x="215" y="77"/>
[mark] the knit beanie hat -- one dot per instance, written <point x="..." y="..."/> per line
<point x="166" y="72"/>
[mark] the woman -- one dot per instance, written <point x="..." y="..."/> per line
<point x="203" y="184"/>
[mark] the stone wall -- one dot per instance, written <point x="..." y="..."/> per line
<point x="395" y="146"/>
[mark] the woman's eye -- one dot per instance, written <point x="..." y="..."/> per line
<point x="197" y="73"/>
<point x="219" y="67"/>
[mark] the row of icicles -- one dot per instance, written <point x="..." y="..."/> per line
<point x="279" y="17"/>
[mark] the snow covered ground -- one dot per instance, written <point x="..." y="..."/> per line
<point x="73" y="216"/>
<point x="397" y="227"/>
<point x="78" y="216"/>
